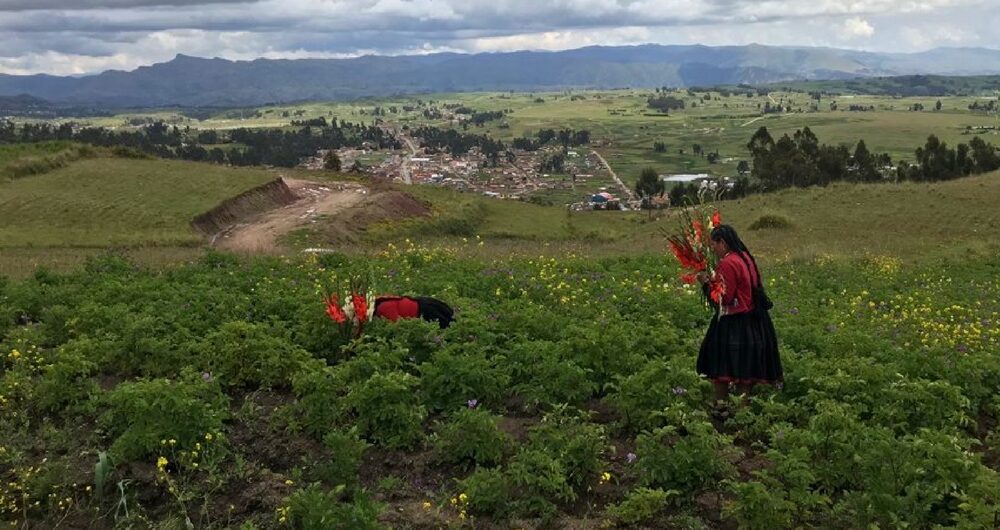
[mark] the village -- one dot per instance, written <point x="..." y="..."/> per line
<point x="585" y="181"/>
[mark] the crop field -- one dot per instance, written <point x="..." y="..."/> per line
<point x="218" y="394"/>
<point x="624" y="129"/>
<point x="149" y="382"/>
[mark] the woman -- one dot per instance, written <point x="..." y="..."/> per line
<point x="740" y="347"/>
<point x="393" y="308"/>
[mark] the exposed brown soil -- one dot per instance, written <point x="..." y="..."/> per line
<point x="339" y="212"/>
<point x="312" y="199"/>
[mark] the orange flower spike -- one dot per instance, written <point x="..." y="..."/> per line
<point x="716" y="218"/>
<point x="698" y="230"/>
<point x="360" y="307"/>
<point x="718" y="289"/>
<point x="334" y="311"/>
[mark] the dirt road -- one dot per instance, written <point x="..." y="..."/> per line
<point x="625" y="189"/>
<point x="315" y="199"/>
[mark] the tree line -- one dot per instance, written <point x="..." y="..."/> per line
<point x="800" y="160"/>
<point x="244" y="147"/>
<point x="565" y="137"/>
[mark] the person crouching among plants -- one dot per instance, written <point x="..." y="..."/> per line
<point x="359" y="309"/>
<point x="393" y="308"/>
<point x="741" y="346"/>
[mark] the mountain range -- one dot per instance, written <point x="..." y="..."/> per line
<point x="198" y="82"/>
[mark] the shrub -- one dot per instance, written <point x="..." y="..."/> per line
<point x="313" y="508"/>
<point x="471" y="437"/>
<point x="346" y="450"/>
<point x="459" y="373"/>
<point x="487" y="492"/>
<point x="641" y="397"/>
<point x="66" y="383"/>
<point x="686" y="456"/>
<point x="771" y="221"/>
<point x="641" y="505"/>
<point x="538" y="477"/>
<point x="387" y="410"/>
<point x="140" y="414"/>
<point x="578" y="446"/>
<point x="241" y="354"/>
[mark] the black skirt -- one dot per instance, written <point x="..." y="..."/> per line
<point x="741" y="349"/>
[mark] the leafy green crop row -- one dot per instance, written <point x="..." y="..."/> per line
<point x="218" y="394"/>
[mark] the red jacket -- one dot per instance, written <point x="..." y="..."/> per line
<point x="395" y="307"/>
<point x="736" y="278"/>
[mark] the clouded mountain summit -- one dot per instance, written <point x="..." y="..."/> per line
<point x="191" y="81"/>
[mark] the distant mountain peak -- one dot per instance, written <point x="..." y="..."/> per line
<point x="195" y="81"/>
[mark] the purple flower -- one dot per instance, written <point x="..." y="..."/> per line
<point x="472" y="403"/>
<point x="962" y="348"/>
<point x="630" y="458"/>
<point x="206" y="377"/>
<point x="680" y="391"/>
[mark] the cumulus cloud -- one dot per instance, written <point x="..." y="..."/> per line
<point x="82" y="36"/>
<point x="858" y="27"/>
<point x="30" y="5"/>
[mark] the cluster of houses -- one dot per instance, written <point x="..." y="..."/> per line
<point x="516" y="178"/>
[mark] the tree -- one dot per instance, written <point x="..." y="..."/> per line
<point x="743" y="167"/>
<point x="331" y="161"/>
<point x="937" y="106"/>
<point x="649" y="185"/>
<point x="864" y="163"/>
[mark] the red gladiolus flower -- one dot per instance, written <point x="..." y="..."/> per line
<point x="718" y="289"/>
<point x="716" y="218"/>
<point x="360" y="307"/>
<point x="334" y="311"/>
<point x="691" y="278"/>
<point x="698" y="230"/>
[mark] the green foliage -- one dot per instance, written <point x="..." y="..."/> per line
<point x="641" y="397"/>
<point x="538" y="479"/>
<point x="457" y="374"/>
<point x="386" y="409"/>
<point x="66" y="383"/>
<point x="141" y="414"/>
<point x="641" y="505"/>
<point x="246" y="355"/>
<point x="577" y="445"/>
<point x="313" y="508"/>
<point x="488" y="492"/>
<point x="771" y="221"/>
<point x="687" y="455"/>
<point x="471" y="437"/>
<point x="346" y="449"/>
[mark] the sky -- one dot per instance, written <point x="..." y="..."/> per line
<point x="76" y="37"/>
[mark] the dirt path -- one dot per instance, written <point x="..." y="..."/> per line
<point x="315" y="199"/>
<point x="625" y="189"/>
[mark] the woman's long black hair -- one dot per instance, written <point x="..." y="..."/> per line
<point x="728" y="234"/>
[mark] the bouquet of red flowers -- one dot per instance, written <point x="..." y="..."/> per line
<point x="691" y="246"/>
<point x="356" y="311"/>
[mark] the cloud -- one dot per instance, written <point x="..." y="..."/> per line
<point x="32" y="5"/>
<point x="858" y="27"/>
<point x="84" y="36"/>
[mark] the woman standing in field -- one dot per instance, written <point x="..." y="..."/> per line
<point x="740" y="347"/>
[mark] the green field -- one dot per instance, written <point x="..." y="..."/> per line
<point x="624" y="129"/>
<point x="207" y="390"/>
<point x="116" y="202"/>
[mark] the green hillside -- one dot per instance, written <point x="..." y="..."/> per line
<point x="111" y="201"/>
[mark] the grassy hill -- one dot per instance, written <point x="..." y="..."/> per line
<point x="912" y="221"/>
<point x="111" y="201"/>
